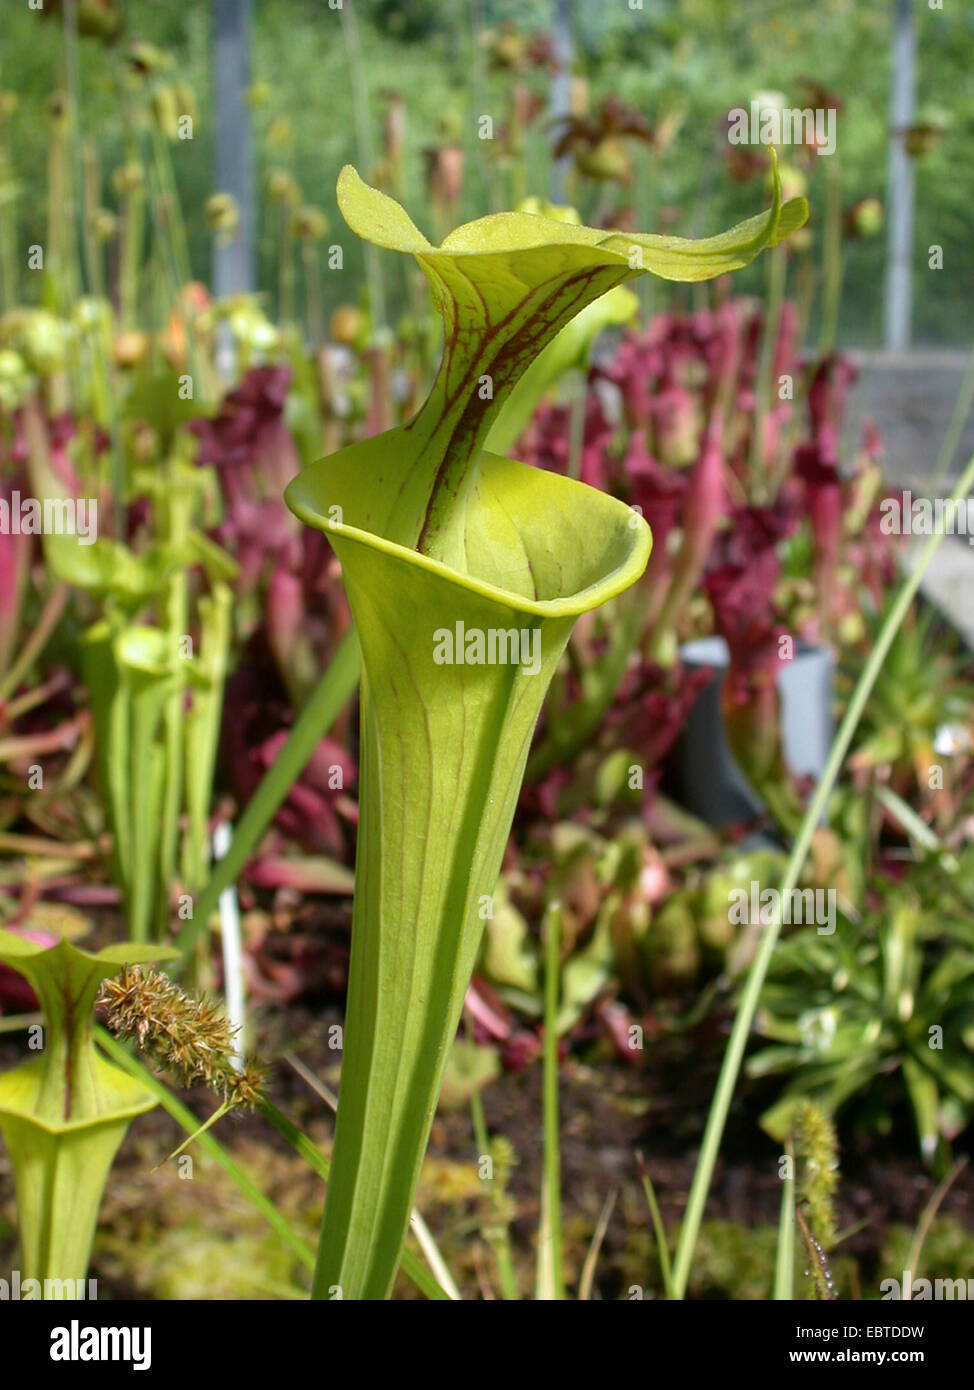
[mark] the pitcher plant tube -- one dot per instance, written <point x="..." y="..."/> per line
<point x="64" y="1114"/>
<point x="465" y="572"/>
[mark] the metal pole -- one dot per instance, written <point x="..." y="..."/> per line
<point x="233" y="264"/>
<point x="899" y="262"/>
<point x="561" y="88"/>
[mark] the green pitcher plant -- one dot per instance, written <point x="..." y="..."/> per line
<point x="64" y="1113"/>
<point x="465" y="572"/>
<point x="156" y="702"/>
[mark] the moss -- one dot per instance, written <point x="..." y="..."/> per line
<point x="165" y="1236"/>
<point x="948" y="1253"/>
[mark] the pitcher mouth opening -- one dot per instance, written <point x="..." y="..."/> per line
<point x="625" y="550"/>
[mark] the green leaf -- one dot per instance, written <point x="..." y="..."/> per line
<point x="469" y="1069"/>
<point x="507" y="957"/>
<point x="585" y="974"/>
<point x="925" y="1099"/>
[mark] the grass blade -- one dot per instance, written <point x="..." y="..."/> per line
<point x="551" y="1274"/>
<point x="784" y="1273"/>
<point x="598" y="1236"/>
<point x="658" y="1227"/>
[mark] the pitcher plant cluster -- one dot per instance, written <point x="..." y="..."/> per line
<point x="478" y="587"/>
<point x="451" y="555"/>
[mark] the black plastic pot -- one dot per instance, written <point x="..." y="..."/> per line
<point x="710" y="783"/>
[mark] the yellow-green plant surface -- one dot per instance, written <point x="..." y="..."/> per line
<point x="433" y="531"/>
<point x="64" y="1113"/>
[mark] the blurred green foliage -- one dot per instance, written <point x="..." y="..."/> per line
<point x="697" y="58"/>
